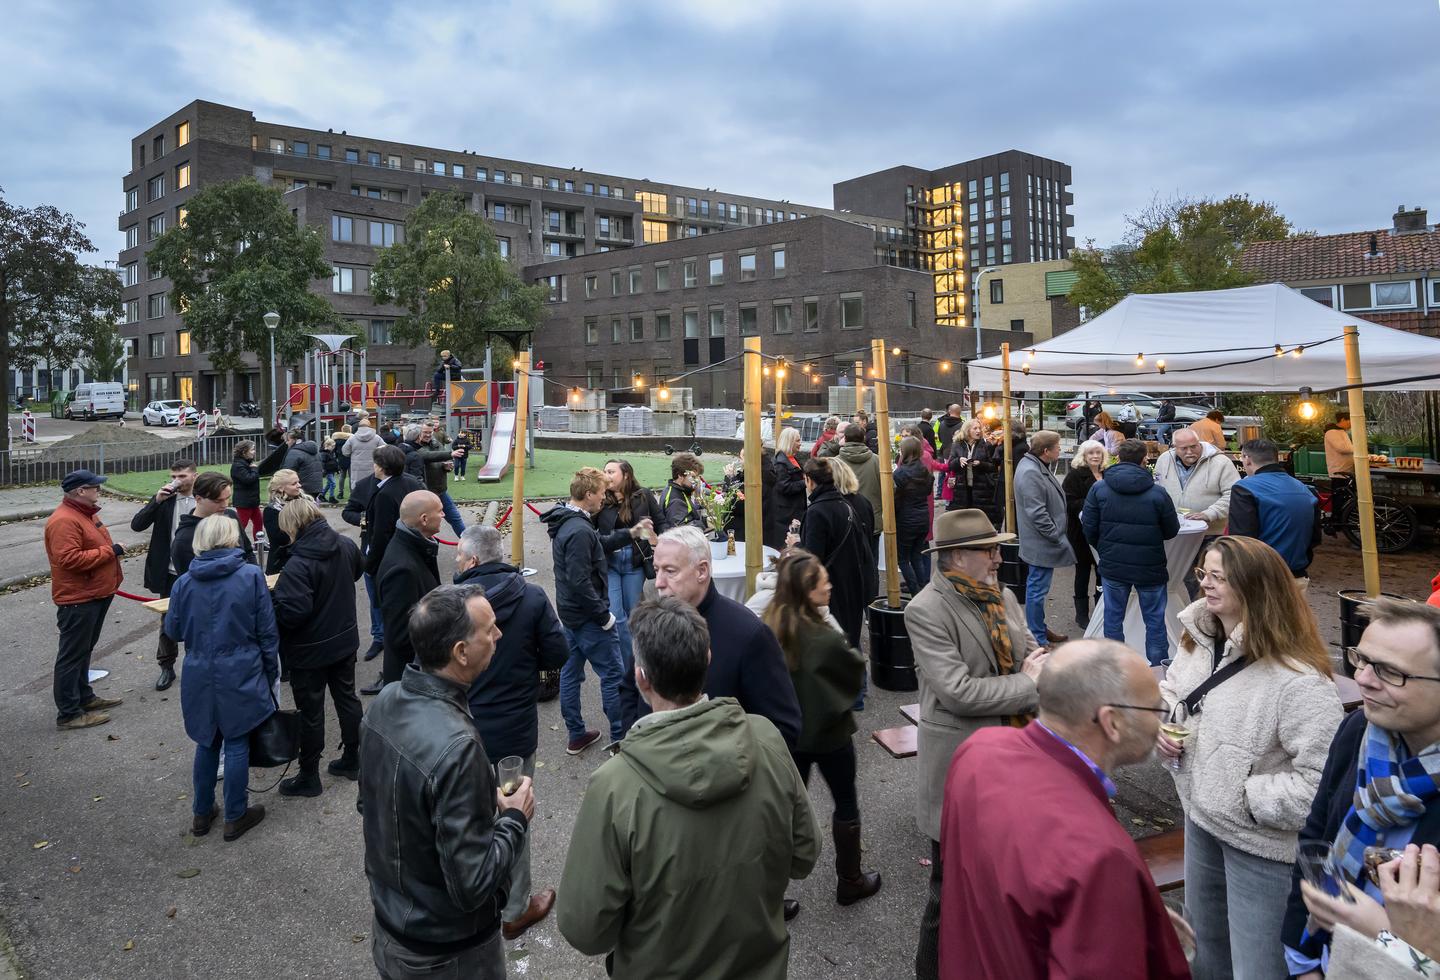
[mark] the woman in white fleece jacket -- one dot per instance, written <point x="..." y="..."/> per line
<point x="1252" y="762"/>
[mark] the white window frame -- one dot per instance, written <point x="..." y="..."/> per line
<point x="1410" y="290"/>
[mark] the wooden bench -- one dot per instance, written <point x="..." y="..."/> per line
<point x="1164" y="855"/>
<point x="899" y="742"/>
<point x="911" y="713"/>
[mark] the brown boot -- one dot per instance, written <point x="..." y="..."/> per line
<point x="235" y="829"/>
<point x="540" y="905"/>
<point x="200" y="825"/>
<point x="1053" y="637"/>
<point x="86" y="719"/>
<point x="853" y="885"/>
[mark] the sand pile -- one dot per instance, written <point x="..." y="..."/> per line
<point x="129" y="441"/>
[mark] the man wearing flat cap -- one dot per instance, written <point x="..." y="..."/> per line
<point x="84" y="574"/>
<point x="976" y="664"/>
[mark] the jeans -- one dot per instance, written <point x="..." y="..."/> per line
<point x="1236" y="902"/>
<point x="626" y="581"/>
<point x="308" y="686"/>
<point x="377" y="625"/>
<point x="601" y="648"/>
<point x="237" y="776"/>
<point x="459" y="463"/>
<point x="394" y="962"/>
<point x="927" y="955"/>
<point x="914" y="563"/>
<point x="518" y="899"/>
<point x="838" y="770"/>
<point x="1037" y="587"/>
<point x="1152" y="610"/>
<point x="329" y="487"/>
<point x="344" y="480"/>
<point x="80" y="626"/>
<point x="452" y="514"/>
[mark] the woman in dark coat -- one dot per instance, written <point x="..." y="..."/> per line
<point x="626" y="504"/>
<point x="245" y="477"/>
<point x="912" y="514"/>
<point x="972" y="471"/>
<point x="284" y="487"/>
<point x="221" y="610"/>
<point x="787" y="499"/>
<point x="1085" y="468"/>
<point x="834" y="530"/>
<point x="315" y="611"/>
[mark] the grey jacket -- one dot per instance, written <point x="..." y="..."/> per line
<point x="1040" y="515"/>
<point x="361" y="447"/>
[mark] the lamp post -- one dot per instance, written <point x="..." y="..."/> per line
<point x="975" y="316"/>
<point x="272" y="320"/>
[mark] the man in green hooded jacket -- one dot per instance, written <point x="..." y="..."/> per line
<point x="700" y="809"/>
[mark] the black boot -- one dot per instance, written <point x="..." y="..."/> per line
<point x="347" y="766"/>
<point x="305" y="784"/>
<point x="1082" y="611"/>
<point x="852" y="885"/>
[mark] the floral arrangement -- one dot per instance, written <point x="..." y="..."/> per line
<point x="719" y="501"/>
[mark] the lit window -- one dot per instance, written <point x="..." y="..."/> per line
<point x="182" y="343"/>
<point x="852" y="311"/>
<point x="182" y="134"/>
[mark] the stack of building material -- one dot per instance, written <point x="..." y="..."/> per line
<point x="636" y="421"/>
<point x="716" y="423"/>
<point x="589" y="421"/>
<point x="553" y="418"/>
<point x="842" y="400"/>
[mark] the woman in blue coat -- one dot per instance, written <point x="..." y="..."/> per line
<point x="221" y="609"/>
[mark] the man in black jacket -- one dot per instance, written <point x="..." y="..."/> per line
<point x="406" y="574"/>
<point x="429" y="462"/>
<point x="303" y="457"/>
<point x="354" y="513"/>
<point x="927" y="431"/>
<point x="440" y="840"/>
<point x="945" y="431"/>
<point x="1397" y="665"/>
<point x="503" y="699"/>
<point x="212" y="496"/>
<point x="745" y="659"/>
<point x="161" y="515"/>
<point x="381" y="503"/>
<point x="582" y="599"/>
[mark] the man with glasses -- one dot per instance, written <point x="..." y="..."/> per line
<point x="1198" y="478"/>
<point x="1381" y="786"/>
<point x="976" y="663"/>
<point x="1027" y="816"/>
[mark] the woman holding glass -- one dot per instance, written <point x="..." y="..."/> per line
<point x="1255" y="710"/>
<point x="1085" y="468"/>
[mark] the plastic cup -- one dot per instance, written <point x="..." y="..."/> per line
<point x="508" y="773"/>
<point x="1318" y="866"/>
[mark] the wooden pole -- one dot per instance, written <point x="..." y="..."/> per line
<point x="754" y="495"/>
<point x="887" y="482"/>
<point x="1009" y="473"/>
<point x="522" y="416"/>
<point x="1364" y="496"/>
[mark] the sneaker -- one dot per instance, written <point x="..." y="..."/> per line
<point x="583" y="742"/>
<point x="98" y="703"/>
<point x="89" y="719"/>
<point x="235" y="829"/>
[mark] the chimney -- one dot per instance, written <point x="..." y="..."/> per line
<point x="1410" y="222"/>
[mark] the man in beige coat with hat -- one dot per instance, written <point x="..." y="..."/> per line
<point x="976" y="664"/>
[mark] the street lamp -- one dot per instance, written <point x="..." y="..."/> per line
<point x="272" y="320"/>
<point x="975" y="306"/>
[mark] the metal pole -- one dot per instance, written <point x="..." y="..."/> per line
<point x="490" y="401"/>
<point x="1009" y="473"/>
<point x="754" y="495"/>
<point x="274" y="414"/>
<point x="887" y="482"/>
<point x="859" y="386"/>
<point x="1364" y="495"/>
<point x="517" y="510"/>
<point x="975" y="314"/>
<point x="449" y="404"/>
<point x="779" y="400"/>
<point x="289" y="407"/>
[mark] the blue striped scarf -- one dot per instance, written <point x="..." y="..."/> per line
<point x="1392" y="789"/>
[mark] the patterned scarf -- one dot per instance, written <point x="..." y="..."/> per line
<point x="991" y="603"/>
<point x="1392" y="789"/>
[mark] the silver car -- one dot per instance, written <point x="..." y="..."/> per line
<point x="169" y="412"/>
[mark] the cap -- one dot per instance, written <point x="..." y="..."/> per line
<point x="81" y="478"/>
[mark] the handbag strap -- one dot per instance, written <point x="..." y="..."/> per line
<point x="1196" y="698"/>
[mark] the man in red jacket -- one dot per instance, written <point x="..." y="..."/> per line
<point x="84" y="574"/>
<point x="1040" y="878"/>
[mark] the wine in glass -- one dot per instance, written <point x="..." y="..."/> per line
<point x="1177" y="728"/>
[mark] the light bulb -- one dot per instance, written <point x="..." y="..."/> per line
<point x="1140" y="360"/>
<point x="1298" y="351"/>
<point x="664" y="394"/>
<point x="944" y="366"/>
<point x="895" y="351"/>
<point x="1279" y="351"/>
<point x="1308" y="410"/>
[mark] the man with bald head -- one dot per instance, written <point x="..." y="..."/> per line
<point x="407" y="573"/>
<point x="1040" y="878"/>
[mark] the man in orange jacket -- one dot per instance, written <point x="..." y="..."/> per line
<point x="84" y="574"/>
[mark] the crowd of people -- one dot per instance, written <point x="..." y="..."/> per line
<point x="717" y="713"/>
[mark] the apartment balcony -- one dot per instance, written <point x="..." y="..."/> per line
<point x="615" y="236"/>
<point x="573" y="229"/>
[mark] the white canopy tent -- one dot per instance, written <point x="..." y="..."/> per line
<point x="1202" y="335"/>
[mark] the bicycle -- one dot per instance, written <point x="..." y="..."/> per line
<point x="1396" y="523"/>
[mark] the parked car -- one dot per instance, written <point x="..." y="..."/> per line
<point x="169" y="412"/>
<point x="1146" y="406"/>
<point x="96" y="400"/>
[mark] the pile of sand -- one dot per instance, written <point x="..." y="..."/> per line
<point x="129" y="441"/>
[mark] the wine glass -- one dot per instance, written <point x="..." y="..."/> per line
<point x="1177" y="728"/>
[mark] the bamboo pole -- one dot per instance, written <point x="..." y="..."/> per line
<point x="754" y="495"/>
<point x="1009" y="473"/>
<point x="1364" y="496"/>
<point x="887" y="482"/>
<point x="522" y="416"/>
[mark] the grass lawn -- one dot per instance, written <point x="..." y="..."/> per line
<point x="549" y="478"/>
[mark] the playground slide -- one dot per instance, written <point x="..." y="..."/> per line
<point x="501" y="438"/>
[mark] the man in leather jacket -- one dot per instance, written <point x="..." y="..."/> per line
<point x="440" y="838"/>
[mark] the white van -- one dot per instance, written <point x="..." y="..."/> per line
<point x="99" y="399"/>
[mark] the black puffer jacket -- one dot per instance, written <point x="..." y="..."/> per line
<point x="836" y="531"/>
<point x="439" y="866"/>
<point x="913" y="494"/>
<point x="315" y="599"/>
<point x="581" y="593"/>
<point x="1128" y="518"/>
<point x="246" y="479"/>
<point x="304" y="459"/>
<point x="503" y="698"/>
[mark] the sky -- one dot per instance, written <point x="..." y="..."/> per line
<point x="1330" y="109"/>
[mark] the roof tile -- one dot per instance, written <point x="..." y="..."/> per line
<point x="1343" y="256"/>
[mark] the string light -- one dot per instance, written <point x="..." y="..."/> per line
<point x="780" y="372"/>
<point x="988" y="412"/>
<point x="1161" y="365"/>
<point x="895" y="351"/>
<point x="1300" y="349"/>
<point x="639" y="381"/>
<point x="575" y="395"/>
<point x="1025" y="368"/>
<point x="767" y="370"/>
<point x="944" y="367"/>
<point x="1279" y="351"/>
<point x="1140" y="359"/>
<point x="1307" y="409"/>
<point x="664" y="393"/>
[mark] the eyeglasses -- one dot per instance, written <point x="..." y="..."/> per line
<point x="990" y="551"/>
<point x="1393" y="676"/>
<point x="1162" y="711"/>
<point x="1201" y="575"/>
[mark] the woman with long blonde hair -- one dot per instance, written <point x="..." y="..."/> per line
<point x="1254" y="708"/>
<point x="284" y="487"/>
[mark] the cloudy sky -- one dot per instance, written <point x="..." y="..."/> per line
<point x="1329" y="108"/>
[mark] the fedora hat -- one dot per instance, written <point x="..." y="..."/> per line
<point x="968" y="528"/>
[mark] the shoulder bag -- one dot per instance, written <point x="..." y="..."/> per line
<point x="276" y="740"/>
<point x="1196" y="698"/>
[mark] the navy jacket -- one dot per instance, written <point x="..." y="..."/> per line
<point x="1276" y="508"/>
<point x="582" y="595"/>
<point x="1129" y="518"/>
<point x="503" y="698"/>
<point x="914" y="490"/>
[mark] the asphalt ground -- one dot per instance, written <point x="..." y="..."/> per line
<point x="99" y="877"/>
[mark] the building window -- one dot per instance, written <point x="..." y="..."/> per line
<point x="592" y="286"/>
<point x="1435" y="292"/>
<point x="345" y="279"/>
<point x="380" y="331"/>
<point x="812" y="314"/>
<point x="662" y="276"/>
<point x="182" y="176"/>
<point x="635" y="276"/>
<point x="1017" y="324"/>
<point x="662" y="326"/>
<point x="615" y="330"/>
<point x="910" y="319"/>
<point x="778" y="260"/>
<point x="989" y="186"/>
<point x="637" y="328"/>
<point x="132" y="273"/>
<point x="504" y="246"/>
<point x="692" y="324"/>
<point x="132" y="236"/>
<point x="155" y="187"/>
<point x="154" y="272"/>
<point x="383" y="234"/>
<point x="589" y="188"/>
<point x="155" y="306"/>
<point x="132" y="311"/>
<point x="182" y="134"/>
<point x="749" y="320"/>
<point x="615" y="282"/>
<point x="352" y="156"/>
<point x="780" y="316"/>
<point x="132" y="199"/>
<point x="604" y="191"/>
<point x="155" y="227"/>
<point x="438" y="168"/>
<point x="688" y="273"/>
<point x="1389" y="295"/>
<point x="1007" y="253"/>
<point x="717" y="321"/>
<point x="457" y="170"/>
<point x="1005" y="182"/>
<point x="989" y="254"/>
<point x="157" y="345"/>
<point x="1005" y="229"/>
<point x="852" y="311"/>
<point x="342" y="229"/>
<point x="717" y="269"/>
<point x="592" y="332"/>
<point x="997" y="291"/>
<point x="322" y="152"/>
<point x="557" y="288"/>
<point x="182" y="343"/>
<point x="747" y="266"/>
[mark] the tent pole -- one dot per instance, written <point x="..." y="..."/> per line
<point x="859" y="387"/>
<point x="887" y="482"/>
<point x="1009" y="474"/>
<point x="754" y="494"/>
<point x="1364" y="496"/>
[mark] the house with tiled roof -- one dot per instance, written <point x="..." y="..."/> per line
<point x="1390" y="275"/>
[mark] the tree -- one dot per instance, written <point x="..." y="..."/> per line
<point x="239" y="254"/>
<point x="1176" y="246"/>
<point x="103" y="354"/>
<point x="459" y="291"/>
<point x="49" y="300"/>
